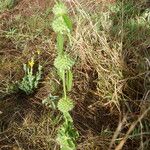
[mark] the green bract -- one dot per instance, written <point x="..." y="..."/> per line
<point x="59" y="9"/>
<point x="59" y="25"/>
<point x="65" y="105"/>
<point x="63" y="62"/>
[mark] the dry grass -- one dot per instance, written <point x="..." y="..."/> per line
<point x="111" y="75"/>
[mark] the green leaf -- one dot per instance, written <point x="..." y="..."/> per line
<point x="68" y="22"/>
<point x="60" y="43"/>
<point x="69" y="78"/>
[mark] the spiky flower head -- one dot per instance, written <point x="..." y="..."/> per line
<point x="59" y="9"/>
<point x="59" y="25"/>
<point x="63" y="62"/>
<point x="65" y="105"/>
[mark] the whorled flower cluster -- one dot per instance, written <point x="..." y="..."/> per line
<point x="59" y="24"/>
<point x="65" y="105"/>
<point x="59" y="9"/>
<point x="63" y="62"/>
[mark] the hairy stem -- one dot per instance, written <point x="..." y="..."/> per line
<point x="64" y="85"/>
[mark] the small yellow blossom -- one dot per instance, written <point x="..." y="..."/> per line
<point x="38" y="52"/>
<point x="31" y="62"/>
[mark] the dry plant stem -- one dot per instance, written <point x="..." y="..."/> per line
<point x="117" y="132"/>
<point x="120" y="145"/>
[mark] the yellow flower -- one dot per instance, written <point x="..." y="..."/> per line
<point x="31" y="62"/>
<point x="38" y="52"/>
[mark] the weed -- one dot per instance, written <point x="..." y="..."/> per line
<point x="62" y="25"/>
<point x="51" y="101"/>
<point x="6" y="4"/>
<point x="67" y="134"/>
<point x="30" y="81"/>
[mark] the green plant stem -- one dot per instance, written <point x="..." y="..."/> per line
<point x="31" y="71"/>
<point x="60" y="44"/>
<point x="64" y="85"/>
